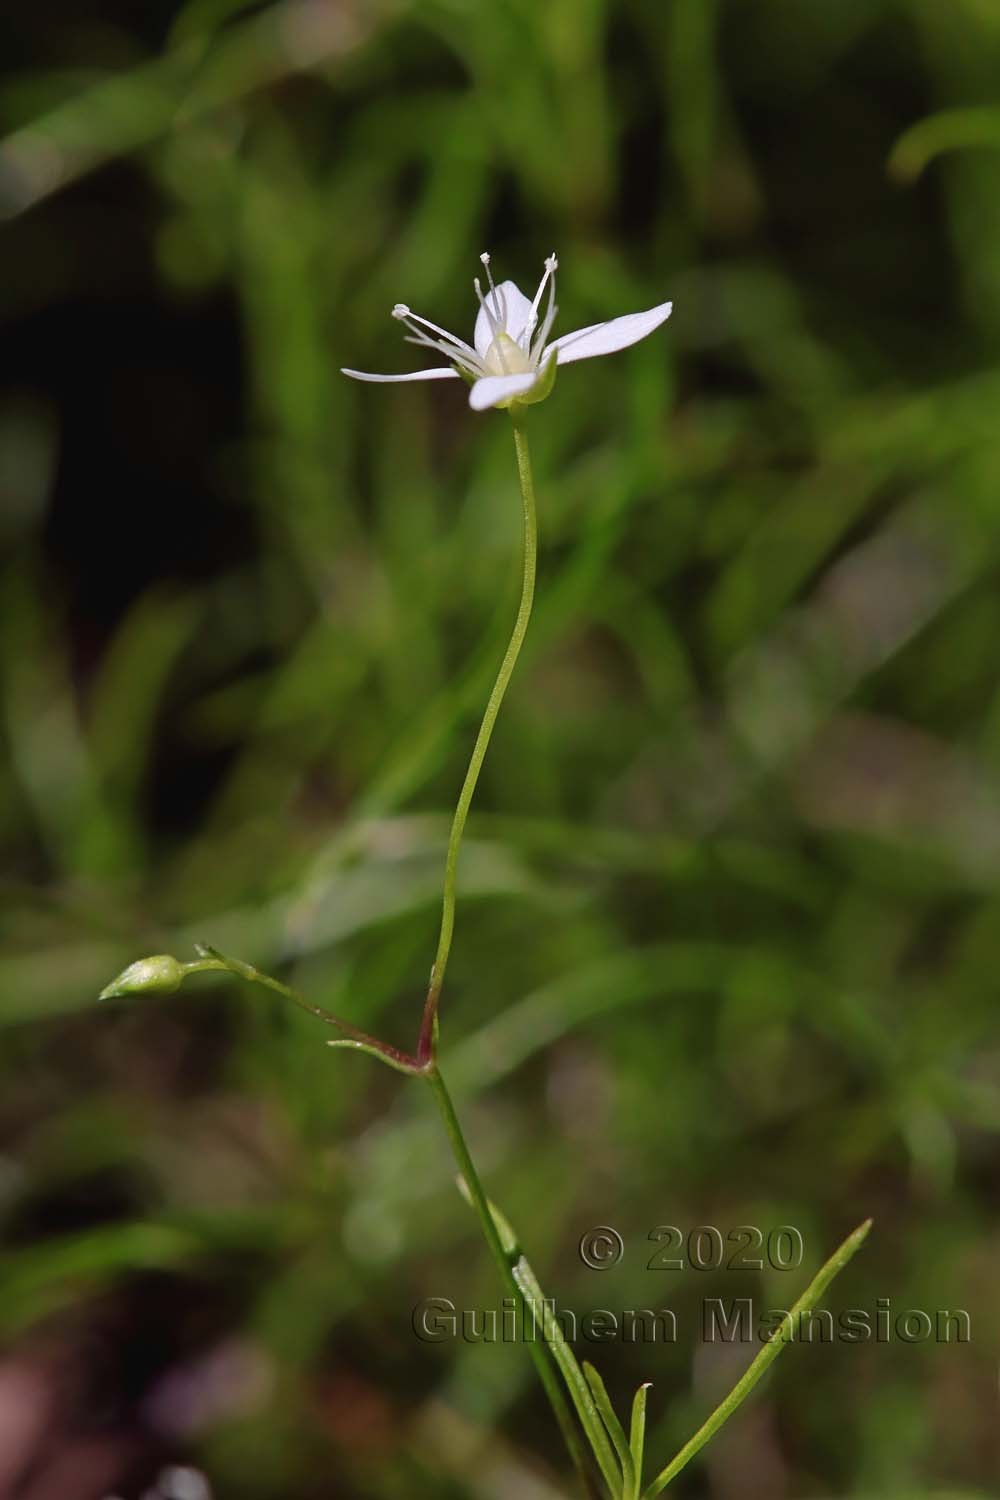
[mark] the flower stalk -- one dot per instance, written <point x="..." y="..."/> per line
<point x="427" y="1045"/>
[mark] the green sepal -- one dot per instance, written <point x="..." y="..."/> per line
<point x="539" y="391"/>
<point x="541" y="388"/>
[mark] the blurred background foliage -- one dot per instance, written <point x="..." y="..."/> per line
<point x="728" y="936"/>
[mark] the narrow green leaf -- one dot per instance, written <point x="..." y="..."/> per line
<point x="383" y="1054"/>
<point x="545" y="1321"/>
<point x="784" y="1335"/>
<point x="542" y="1353"/>
<point x="615" y="1430"/>
<point x="569" y="1368"/>
<point x="637" y="1437"/>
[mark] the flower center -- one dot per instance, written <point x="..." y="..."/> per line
<point x="505" y="357"/>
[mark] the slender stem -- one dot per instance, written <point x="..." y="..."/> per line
<point x="427" y="1046"/>
<point x="211" y="958"/>
<point x="539" y="1351"/>
<point x="428" y="1029"/>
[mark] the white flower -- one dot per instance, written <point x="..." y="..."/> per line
<point x="510" y="359"/>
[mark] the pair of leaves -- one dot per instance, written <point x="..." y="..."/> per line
<point x="620" y="1457"/>
<point x="629" y="1450"/>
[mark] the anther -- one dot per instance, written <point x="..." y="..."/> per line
<point x="401" y="310"/>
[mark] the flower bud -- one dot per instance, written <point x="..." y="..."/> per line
<point x="157" y="975"/>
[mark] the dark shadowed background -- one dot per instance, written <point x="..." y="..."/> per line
<point x="729" y="932"/>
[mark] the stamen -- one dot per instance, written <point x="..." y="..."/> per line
<point x="412" y="319"/>
<point x="469" y="362"/>
<point x="495" y="327"/>
<point x="550" y="311"/>
<point x="500" y="301"/>
<point x="487" y="309"/>
<point x="543" y="333"/>
<point x="485" y="258"/>
<point x="551" y="265"/>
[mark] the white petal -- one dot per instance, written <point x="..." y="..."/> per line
<point x="608" y="338"/>
<point x="518" y="308"/>
<point x="494" y="388"/>
<point x="442" y="372"/>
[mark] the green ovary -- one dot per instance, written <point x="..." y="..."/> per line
<point x="504" y="357"/>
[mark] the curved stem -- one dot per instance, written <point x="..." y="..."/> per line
<point x="428" y="1029"/>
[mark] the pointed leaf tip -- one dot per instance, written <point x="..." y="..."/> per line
<point x="637" y="1437"/>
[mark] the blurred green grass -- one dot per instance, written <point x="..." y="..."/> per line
<point x="727" y="942"/>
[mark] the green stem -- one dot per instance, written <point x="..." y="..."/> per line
<point x="427" y="1046"/>
<point x="428" y="1030"/>
<point x="477" y="1197"/>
